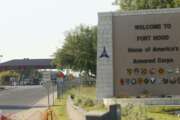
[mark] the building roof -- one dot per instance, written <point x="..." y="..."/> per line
<point x="24" y="63"/>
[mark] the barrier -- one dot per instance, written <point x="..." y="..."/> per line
<point x="50" y="114"/>
<point x="113" y="114"/>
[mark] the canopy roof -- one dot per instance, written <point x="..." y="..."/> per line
<point x="27" y="63"/>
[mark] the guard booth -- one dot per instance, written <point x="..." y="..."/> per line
<point x="25" y="67"/>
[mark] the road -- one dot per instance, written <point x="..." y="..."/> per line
<point x="21" y="98"/>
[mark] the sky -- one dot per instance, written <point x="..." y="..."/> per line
<point x="36" y="28"/>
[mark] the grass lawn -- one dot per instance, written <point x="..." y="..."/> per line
<point x="161" y="112"/>
<point x="81" y="92"/>
<point x="60" y="109"/>
<point x="162" y="109"/>
<point x="162" y="116"/>
<point x="157" y="116"/>
<point x="88" y="92"/>
<point x="85" y="97"/>
<point x="150" y="112"/>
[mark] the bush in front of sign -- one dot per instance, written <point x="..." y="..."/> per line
<point x="132" y="112"/>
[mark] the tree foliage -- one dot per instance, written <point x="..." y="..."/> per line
<point x="6" y="75"/>
<point x="146" y="4"/>
<point x="79" y="50"/>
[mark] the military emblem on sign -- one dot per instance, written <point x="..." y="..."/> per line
<point x="146" y="80"/>
<point x="177" y="70"/>
<point x="158" y="81"/>
<point x="161" y="71"/>
<point x="140" y="81"/>
<point x="133" y="81"/>
<point x="178" y="80"/>
<point x="129" y="71"/>
<point x="121" y="82"/>
<point x="128" y="81"/>
<point x="172" y="80"/>
<point x="152" y="80"/>
<point x="170" y="71"/>
<point x="136" y="71"/>
<point x="165" y="80"/>
<point x="104" y="53"/>
<point x="152" y="71"/>
<point x="143" y="71"/>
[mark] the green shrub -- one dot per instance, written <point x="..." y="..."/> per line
<point x="89" y="102"/>
<point x="6" y="75"/>
<point x="78" y="102"/>
<point x="131" y="112"/>
<point x="72" y="96"/>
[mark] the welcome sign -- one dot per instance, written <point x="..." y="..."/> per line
<point x="144" y="53"/>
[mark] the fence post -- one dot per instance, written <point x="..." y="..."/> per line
<point x="60" y="87"/>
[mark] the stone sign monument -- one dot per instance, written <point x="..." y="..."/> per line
<point x="138" y="52"/>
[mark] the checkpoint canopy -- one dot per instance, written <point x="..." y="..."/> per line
<point x="138" y="52"/>
<point x="19" y="64"/>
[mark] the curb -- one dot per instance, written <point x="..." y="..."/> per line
<point x="74" y="112"/>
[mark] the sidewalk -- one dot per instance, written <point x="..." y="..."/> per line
<point x="74" y="113"/>
<point x="34" y="113"/>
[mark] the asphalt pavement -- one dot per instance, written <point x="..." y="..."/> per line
<point x="20" y="98"/>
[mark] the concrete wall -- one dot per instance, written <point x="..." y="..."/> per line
<point x="104" y="64"/>
<point x="147" y="101"/>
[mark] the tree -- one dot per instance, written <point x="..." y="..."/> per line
<point x="6" y="75"/>
<point x="146" y="4"/>
<point x="79" y="50"/>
